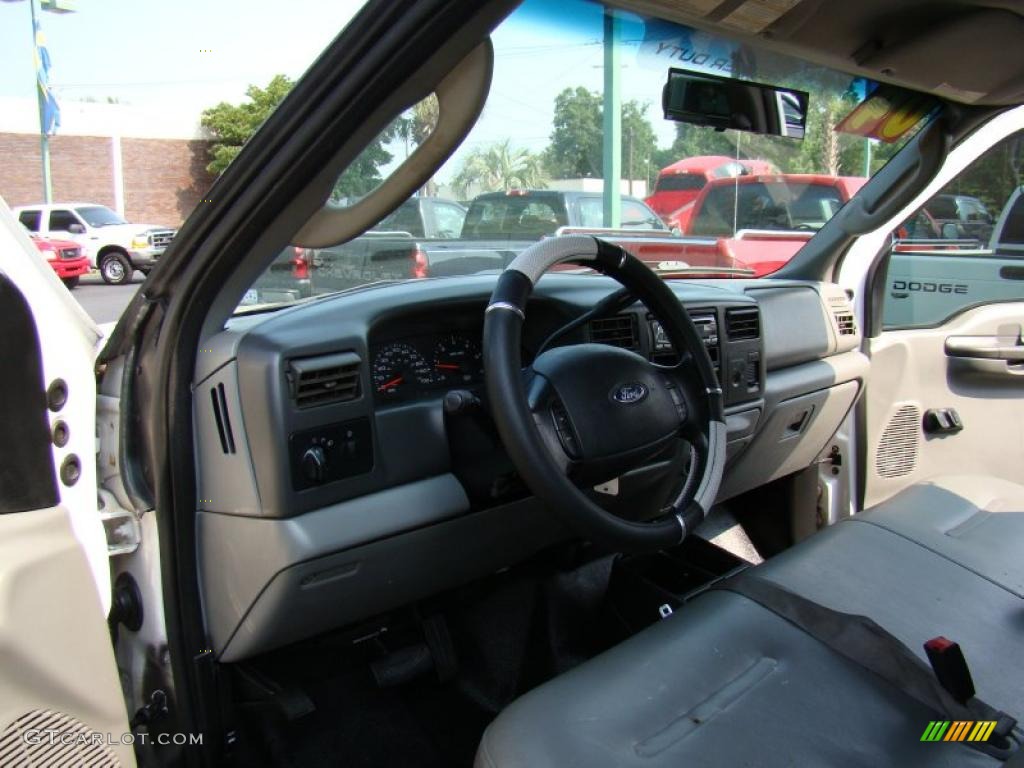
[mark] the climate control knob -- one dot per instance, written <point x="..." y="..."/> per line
<point x="314" y="464"/>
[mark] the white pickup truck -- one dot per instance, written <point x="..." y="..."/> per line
<point x="114" y="247"/>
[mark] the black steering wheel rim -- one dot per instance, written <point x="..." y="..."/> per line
<point x="515" y="421"/>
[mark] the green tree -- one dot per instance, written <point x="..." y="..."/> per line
<point x="414" y="126"/>
<point x="499" y="168"/>
<point x="232" y="124"/>
<point x="639" y="144"/>
<point x="577" y="139"/>
<point x="575" y="148"/>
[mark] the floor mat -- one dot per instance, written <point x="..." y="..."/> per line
<point x="358" y="725"/>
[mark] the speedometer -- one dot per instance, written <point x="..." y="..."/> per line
<point x="399" y="367"/>
<point x="458" y="358"/>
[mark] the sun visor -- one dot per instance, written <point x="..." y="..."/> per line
<point x="992" y="72"/>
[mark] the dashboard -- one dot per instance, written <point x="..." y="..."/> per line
<point x="334" y="483"/>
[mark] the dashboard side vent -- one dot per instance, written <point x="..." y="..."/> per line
<point x="324" y="379"/>
<point x="845" y="323"/>
<point x="223" y="418"/>
<point x="617" y="331"/>
<point x="742" y="323"/>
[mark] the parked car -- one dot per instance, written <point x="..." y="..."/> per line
<point x="396" y="248"/>
<point x="968" y="214"/>
<point x="761" y="221"/>
<point x="65" y="257"/>
<point x="679" y="184"/>
<point x="513" y="220"/>
<point x="114" y="247"/>
<point x="497" y="226"/>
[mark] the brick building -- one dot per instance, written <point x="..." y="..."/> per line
<point x="151" y="167"/>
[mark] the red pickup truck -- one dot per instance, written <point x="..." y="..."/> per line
<point x="680" y="183"/>
<point x="761" y="221"/>
<point x="65" y="257"/>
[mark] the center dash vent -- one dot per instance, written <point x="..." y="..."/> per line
<point x="846" y="324"/>
<point x="324" y="379"/>
<point x="742" y="323"/>
<point x="617" y="331"/>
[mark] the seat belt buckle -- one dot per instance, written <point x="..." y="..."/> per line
<point x="950" y="668"/>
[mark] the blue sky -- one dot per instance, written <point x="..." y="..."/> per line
<point x="185" y="55"/>
<point x="145" y="52"/>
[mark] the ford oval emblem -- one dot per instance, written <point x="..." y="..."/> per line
<point x="633" y="392"/>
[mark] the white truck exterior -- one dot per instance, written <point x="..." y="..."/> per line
<point x="114" y="247"/>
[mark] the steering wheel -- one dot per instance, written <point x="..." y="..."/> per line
<point x="587" y="413"/>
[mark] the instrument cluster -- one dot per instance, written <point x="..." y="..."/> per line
<point x="426" y="366"/>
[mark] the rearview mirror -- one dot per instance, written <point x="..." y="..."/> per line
<point x="76" y="229"/>
<point x="721" y="103"/>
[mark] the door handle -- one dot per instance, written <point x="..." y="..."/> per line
<point x="998" y="355"/>
<point x="986" y="347"/>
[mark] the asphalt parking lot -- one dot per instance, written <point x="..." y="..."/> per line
<point x="103" y="302"/>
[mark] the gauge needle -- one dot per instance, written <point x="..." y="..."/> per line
<point x="446" y="366"/>
<point x="389" y="384"/>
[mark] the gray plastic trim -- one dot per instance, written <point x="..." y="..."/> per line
<point x="707" y="492"/>
<point x="818" y="394"/>
<point x="226" y="481"/>
<point x="794" y="326"/>
<point x="239" y="555"/>
<point x="540" y="257"/>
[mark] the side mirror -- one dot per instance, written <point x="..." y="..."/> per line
<point x="950" y="231"/>
<point x="76" y="229"/>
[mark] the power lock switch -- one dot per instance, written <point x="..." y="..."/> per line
<point x="940" y="421"/>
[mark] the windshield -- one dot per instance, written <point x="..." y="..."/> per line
<point x="99" y="216"/>
<point x="575" y="109"/>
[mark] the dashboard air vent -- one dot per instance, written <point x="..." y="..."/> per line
<point x="617" y="331"/>
<point x="742" y="323"/>
<point x="846" y="324"/>
<point x="324" y="379"/>
<point x="223" y="419"/>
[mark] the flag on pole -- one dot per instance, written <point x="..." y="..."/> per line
<point x="51" y="110"/>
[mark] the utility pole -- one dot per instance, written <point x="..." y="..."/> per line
<point x="629" y="167"/>
<point x="612" y="123"/>
<point x="44" y="140"/>
<point x="53" y="6"/>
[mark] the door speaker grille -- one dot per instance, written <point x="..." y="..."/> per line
<point x="896" y="455"/>
<point x="26" y="743"/>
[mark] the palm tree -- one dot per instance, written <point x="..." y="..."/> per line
<point x="499" y="168"/>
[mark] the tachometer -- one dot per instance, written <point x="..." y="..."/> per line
<point x="399" y="367"/>
<point x="458" y="358"/>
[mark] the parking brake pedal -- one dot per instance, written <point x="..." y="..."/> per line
<point x="258" y="690"/>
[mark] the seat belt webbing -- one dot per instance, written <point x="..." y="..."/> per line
<point x="864" y="642"/>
